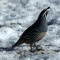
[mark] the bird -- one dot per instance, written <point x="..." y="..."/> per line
<point x="35" y="32"/>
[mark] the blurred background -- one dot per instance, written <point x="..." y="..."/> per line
<point x="16" y="16"/>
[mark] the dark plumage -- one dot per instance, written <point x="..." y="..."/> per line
<point x="35" y="32"/>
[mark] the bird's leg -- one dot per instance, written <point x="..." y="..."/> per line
<point x="38" y="49"/>
<point x="31" y="48"/>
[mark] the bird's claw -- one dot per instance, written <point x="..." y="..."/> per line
<point x="32" y="50"/>
<point x="40" y="49"/>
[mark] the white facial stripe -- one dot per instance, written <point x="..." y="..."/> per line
<point x="44" y="13"/>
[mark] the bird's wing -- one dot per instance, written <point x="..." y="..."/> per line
<point x="28" y="32"/>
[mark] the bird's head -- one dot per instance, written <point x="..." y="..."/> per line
<point x="45" y="12"/>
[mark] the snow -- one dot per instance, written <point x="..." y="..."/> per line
<point x="16" y="16"/>
<point x="6" y="31"/>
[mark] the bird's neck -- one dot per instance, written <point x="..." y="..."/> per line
<point x="41" y="24"/>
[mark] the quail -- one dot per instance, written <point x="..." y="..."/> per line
<point x="35" y="32"/>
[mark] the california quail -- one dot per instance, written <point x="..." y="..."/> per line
<point x="35" y="32"/>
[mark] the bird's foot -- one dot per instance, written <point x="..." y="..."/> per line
<point x="40" y="49"/>
<point x="32" y="50"/>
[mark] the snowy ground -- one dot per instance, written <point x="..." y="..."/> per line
<point x="14" y="15"/>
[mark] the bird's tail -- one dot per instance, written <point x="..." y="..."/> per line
<point x="19" y="42"/>
<point x="11" y="48"/>
<point x="5" y="49"/>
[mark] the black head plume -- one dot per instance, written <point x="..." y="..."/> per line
<point x="44" y="11"/>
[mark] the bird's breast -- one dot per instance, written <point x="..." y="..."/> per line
<point x="41" y="35"/>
